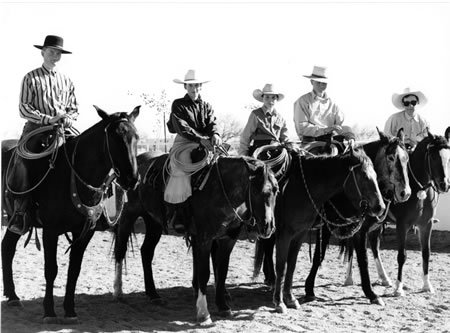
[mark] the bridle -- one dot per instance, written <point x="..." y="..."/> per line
<point x="347" y="220"/>
<point x="93" y="213"/>
<point x="251" y="222"/>
<point x="431" y="182"/>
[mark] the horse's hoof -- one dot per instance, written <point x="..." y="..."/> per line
<point x="50" y="320"/>
<point x="225" y="313"/>
<point x="377" y="301"/>
<point x="70" y="321"/>
<point x="399" y="293"/>
<point x="308" y="298"/>
<point x="293" y="304"/>
<point x="205" y="321"/>
<point x="348" y="282"/>
<point x="281" y="308"/>
<point x="15" y="303"/>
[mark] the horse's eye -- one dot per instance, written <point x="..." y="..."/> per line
<point x="391" y="158"/>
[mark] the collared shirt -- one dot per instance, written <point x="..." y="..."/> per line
<point x="414" y="127"/>
<point x="312" y="114"/>
<point x="192" y="120"/>
<point x="45" y="92"/>
<point x="262" y="125"/>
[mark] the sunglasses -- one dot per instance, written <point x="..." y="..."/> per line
<point x="413" y="103"/>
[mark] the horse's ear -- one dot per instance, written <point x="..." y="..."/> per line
<point x="101" y="113"/>
<point x="383" y="137"/>
<point x="447" y="134"/>
<point x="431" y="136"/>
<point x="401" y="134"/>
<point x="134" y="113"/>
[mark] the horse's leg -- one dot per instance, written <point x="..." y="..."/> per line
<point x="361" y="254"/>
<point x="50" y="243"/>
<point x="215" y="262"/>
<point x="281" y="254"/>
<point x="222" y="257"/>
<point x="374" y="240"/>
<point x="9" y="244"/>
<point x="402" y="234"/>
<point x="322" y="240"/>
<point x="201" y="252"/>
<point x="76" y="258"/>
<point x="268" y="265"/>
<point x="152" y="236"/>
<point x="425" y="238"/>
<point x="348" y="281"/>
<point x="288" y="296"/>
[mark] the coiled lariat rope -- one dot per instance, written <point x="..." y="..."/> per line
<point x="23" y="152"/>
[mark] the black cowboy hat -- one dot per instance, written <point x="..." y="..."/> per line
<point x="55" y="42"/>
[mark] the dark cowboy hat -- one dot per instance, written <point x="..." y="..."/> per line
<point x="55" y="42"/>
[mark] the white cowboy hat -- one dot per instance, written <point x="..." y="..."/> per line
<point x="319" y="74"/>
<point x="191" y="77"/>
<point x="397" y="98"/>
<point x="267" y="90"/>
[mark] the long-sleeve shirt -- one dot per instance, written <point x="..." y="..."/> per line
<point x="44" y="93"/>
<point x="192" y="120"/>
<point x="265" y="126"/>
<point x="414" y="127"/>
<point x="313" y="114"/>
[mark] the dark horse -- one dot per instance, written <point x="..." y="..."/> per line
<point x="390" y="160"/>
<point x="428" y="177"/>
<point x="310" y="182"/>
<point x="80" y="171"/>
<point x="240" y="193"/>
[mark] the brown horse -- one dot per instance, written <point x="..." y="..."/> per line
<point x="239" y="193"/>
<point x="78" y="174"/>
<point x="429" y="177"/>
<point x="312" y="181"/>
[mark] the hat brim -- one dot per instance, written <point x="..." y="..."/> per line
<point x="40" y="47"/>
<point x="258" y="95"/>
<point x="317" y="78"/>
<point x="397" y="99"/>
<point x="190" y="81"/>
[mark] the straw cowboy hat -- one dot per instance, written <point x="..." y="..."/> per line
<point x="191" y="77"/>
<point x="267" y="90"/>
<point x="397" y="98"/>
<point x="319" y="74"/>
<point x="55" y="42"/>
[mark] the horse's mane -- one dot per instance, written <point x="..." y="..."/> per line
<point x="391" y="143"/>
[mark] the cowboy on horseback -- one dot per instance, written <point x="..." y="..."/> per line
<point x="265" y="124"/>
<point x="46" y="98"/>
<point x="194" y="122"/>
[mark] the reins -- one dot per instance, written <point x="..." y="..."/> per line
<point x="251" y="221"/>
<point x="348" y="221"/>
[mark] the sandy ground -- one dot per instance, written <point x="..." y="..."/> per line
<point x="340" y="309"/>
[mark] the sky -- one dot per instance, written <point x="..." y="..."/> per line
<point x="123" y="49"/>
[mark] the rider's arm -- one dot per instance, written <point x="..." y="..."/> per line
<point x="303" y="126"/>
<point x="247" y="133"/>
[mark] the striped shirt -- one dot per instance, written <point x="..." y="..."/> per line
<point x="44" y="93"/>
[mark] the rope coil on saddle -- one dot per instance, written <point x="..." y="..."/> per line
<point x="188" y="168"/>
<point x="22" y="150"/>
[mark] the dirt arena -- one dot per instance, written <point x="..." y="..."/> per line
<point x="339" y="308"/>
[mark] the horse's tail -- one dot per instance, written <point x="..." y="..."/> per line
<point x="259" y="257"/>
<point x="123" y="238"/>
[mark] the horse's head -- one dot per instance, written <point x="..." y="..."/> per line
<point x="263" y="190"/>
<point x="361" y="185"/>
<point x="391" y="166"/>
<point x="434" y="150"/>
<point x="121" y="145"/>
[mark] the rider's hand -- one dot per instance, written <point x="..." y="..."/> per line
<point x="216" y="140"/>
<point x="56" y="119"/>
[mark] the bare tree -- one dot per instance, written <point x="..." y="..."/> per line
<point x="229" y="127"/>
